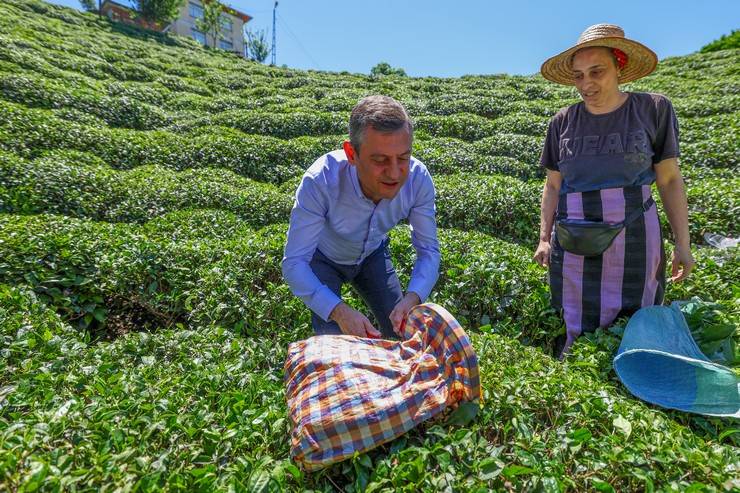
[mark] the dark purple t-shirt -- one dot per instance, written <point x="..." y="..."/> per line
<point x="615" y="149"/>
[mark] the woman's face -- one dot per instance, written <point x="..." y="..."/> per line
<point x="596" y="77"/>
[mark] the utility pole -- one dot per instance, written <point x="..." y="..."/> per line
<point x="274" y="35"/>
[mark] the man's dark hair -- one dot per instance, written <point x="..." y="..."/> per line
<point x="383" y="113"/>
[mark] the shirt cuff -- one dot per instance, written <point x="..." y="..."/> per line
<point x="417" y="286"/>
<point x="324" y="301"/>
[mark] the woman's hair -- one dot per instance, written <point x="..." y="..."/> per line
<point x="608" y="49"/>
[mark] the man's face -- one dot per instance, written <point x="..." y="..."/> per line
<point x="382" y="163"/>
<point x="596" y="76"/>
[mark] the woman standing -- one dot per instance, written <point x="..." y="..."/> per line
<point x="599" y="231"/>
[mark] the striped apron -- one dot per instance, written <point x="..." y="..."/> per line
<point x="593" y="291"/>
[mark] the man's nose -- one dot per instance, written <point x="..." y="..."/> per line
<point x="394" y="170"/>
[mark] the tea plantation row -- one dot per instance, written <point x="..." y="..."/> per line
<point x="707" y="142"/>
<point x="81" y="184"/>
<point x="204" y="407"/>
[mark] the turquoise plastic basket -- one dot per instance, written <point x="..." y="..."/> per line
<point x="659" y="362"/>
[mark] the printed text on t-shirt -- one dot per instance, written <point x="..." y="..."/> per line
<point x="614" y="143"/>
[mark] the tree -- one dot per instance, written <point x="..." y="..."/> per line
<point x="210" y="24"/>
<point x="384" y="68"/>
<point x="725" y="42"/>
<point x="91" y="5"/>
<point x="258" y="49"/>
<point x="163" y="11"/>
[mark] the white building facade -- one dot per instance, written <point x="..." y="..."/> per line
<point x="232" y="27"/>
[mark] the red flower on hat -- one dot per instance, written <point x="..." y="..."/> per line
<point x="621" y="57"/>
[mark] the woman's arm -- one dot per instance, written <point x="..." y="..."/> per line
<point x="672" y="193"/>
<point x="549" y="203"/>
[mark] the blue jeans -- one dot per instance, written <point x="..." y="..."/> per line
<point x="375" y="280"/>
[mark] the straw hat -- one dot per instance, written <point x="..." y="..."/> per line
<point x="641" y="60"/>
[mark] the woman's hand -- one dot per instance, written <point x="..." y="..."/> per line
<point x="681" y="264"/>
<point x="542" y="254"/>
<point x="672" y="192"/>
<point x="550" y="194"/>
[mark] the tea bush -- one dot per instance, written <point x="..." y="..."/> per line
<point x="203" y="409"/>
<point x="80" y="184"/>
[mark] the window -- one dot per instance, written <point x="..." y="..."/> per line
<point x="199" y="37"/>
<point x="196" y="11"/>
<point x="225" y="45"/>
<point x="226" y="23"/>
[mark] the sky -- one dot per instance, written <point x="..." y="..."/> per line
<point x="450" y="39"/>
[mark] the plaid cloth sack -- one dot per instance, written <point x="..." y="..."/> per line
<point x="349" y="394"/>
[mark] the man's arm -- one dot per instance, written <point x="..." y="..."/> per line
<point x="306" y="223"/>
<point x="307" y="220"/>
<point x="424" y="239"/>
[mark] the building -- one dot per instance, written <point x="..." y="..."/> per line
<point x="232" y="23"/>
<point x="123" y="13"/>
<point x="232" y="26"/>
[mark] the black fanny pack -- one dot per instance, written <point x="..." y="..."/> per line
<point x="592" y="238"/>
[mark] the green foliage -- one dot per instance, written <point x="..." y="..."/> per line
<point x="384" y="68"/>
<point x="725" y="42"/>
<point x="210" y="24"/>
<point x="33" y="335"/>
<point x="460" y="126"/>
<point x="210" y="266"/>
<point x="713" y="330"/>
<point x="525" y="148"/>
<point x="498" y="205"/>
<point x="89" y="5"/>
<point x="115" y="111"/>
<point x="711" y="142"/>
<point x="258" y="48"/>
<point x="135" y="410"/>
<point x="158" y="10"/>
<point x="204" y="409"/>
<point x="712" y="204"/>
<point x="717" y="272"/>
<point x="31" y="132"/>
<point x="80" y="184"/>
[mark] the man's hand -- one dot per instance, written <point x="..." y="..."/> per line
<point x="398" y="315"/>
<point x="352" y="322"/>
<point x="682" y="263"/>
<point x="542" y="254"/>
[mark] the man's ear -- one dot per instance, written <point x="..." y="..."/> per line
<point x="349" y="151"/>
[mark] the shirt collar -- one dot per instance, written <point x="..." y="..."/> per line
<point x="356" y="185"/>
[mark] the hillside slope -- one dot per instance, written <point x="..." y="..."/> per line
<point x="145" y="187"/>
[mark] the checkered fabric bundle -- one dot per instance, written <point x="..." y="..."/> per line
<point x="349" y="394"/>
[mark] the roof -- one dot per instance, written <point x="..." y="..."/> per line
<point x="231" y="10"/>
<point x="126" y="14"/>
<point x="236" y="13"/>
<point x="123" y="6"/>
<point x="227" y="8"/>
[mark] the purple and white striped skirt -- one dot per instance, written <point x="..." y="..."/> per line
<point x="593" y="291"/>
